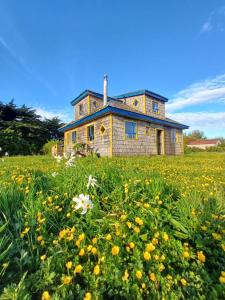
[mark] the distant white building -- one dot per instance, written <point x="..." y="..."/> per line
<point x="203" y="144"/>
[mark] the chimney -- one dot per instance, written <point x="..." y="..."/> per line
<point x="105" y="90"/>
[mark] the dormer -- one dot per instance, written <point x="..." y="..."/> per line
<point x="146" y="102"/>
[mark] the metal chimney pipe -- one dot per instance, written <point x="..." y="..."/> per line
<point x="105" y="90"/>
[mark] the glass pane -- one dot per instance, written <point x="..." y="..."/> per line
<point x="130" y="130"/>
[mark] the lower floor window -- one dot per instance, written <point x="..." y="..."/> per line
<point x="91" y="133"/>
<point x="130" y="130"/>
<point x="74" y="137"/>
<point x="173" y="135"/>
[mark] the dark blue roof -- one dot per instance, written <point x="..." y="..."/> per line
<point x="88" y="92"/>
<point x="142" y="92"/>
<point x="121" y="112"/>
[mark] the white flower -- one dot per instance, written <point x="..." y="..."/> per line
<point x="6" y="154"/>
<point x="58" y="158"/>
<point x="54" y="174"/>
<point x="70" y="162"/>
<point x="83" y="202"/>
<point x="0" y="148"/>
<point x="91" y="181"/>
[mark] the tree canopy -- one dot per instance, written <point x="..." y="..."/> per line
<point x="23" y="131"/>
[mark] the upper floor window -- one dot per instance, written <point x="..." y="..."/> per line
<point x="74" y="136"/>
<point x="136" y="102"/>
<point x="130" y="130"/>
<point x="173" y="135"/>
<point x="91" y="133"/>
<point x="155" y="106"/>
<point x="81" y="109"/>
<point x="95" y="104"/>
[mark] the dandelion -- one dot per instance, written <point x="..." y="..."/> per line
<point x="67" y="280"/>
<point x="69" y="264"/>
<point x="201" y="256"/>
<point x="45" y="296"/>
<point x="183" y="282"/>
<point x="82" y="252"/>
<point x="150" y="247"/>
<point x="108" y="237"/>
<point x="115" y="250"/>
<point x="132" y="245"/>
<point x="186" y="254"/>
<point x="165" y="236"/>
<point x="147" y="255"/>
<point x="93" y="250"/>
<point x="78" y="269"/>
<point x="152" y="277"/>
<point x="222" y="277"/>
<point x="92" y="182"/>
<point x="96" y="270"/>
<point x="125" y="276"/>
<point x="139" y="221"/>
<point x="138" y="275"/>
<point x="83" y="202"/>
<point x="87" y="296"/>
<point x="43" y="257"/>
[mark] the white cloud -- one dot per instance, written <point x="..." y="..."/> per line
<point x="206" y="91"/>
<point x="215" y="21"/>
<point x="63" y="115"/>
<point x="207" y="26"/>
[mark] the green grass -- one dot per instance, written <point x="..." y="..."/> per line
<point x="181" y="198"/>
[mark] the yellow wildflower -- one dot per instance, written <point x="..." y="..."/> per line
<point x="93" y="250"/>
<point x="165" y="236"/>
<point x="136" y="229"/>
<point x="69" y="264"/>
<point x="108" y="237"/>
<point x="150" y="247"/>
<point x="115" y="250"/>
<point x="183" y="282"/>
<point x="43" y="257"/>
<point x="132" y="245"/>
<point x="45" y="296"/>
<point x="139" y="221"/>
<point x="147" y="255"/>
<point x="125" y="276"/>
<point x="78" y="269"/>
<point x="129" y="225"/>
<point x="123" y="217"/>
<point x="94" y="240"/>
<point x="155" y="241"/>
<point x="138" y="274"/>
<point x="96" y="270"/>
<point x="82" y="252"/>
<point x="39" y="238"/>
<point x="186" y="254"/>
<point x="87" y="296"/>
<point x="152" y="277"/>
<point x="67" y="280"/>
<point x="201" y="256"/>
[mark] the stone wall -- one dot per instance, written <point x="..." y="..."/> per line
<point x="149" y="111"/>
<point x="85" y="104"/>
<point x="140" y="102"/>
<point x="173" y="148"/>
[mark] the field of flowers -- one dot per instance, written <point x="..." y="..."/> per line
<point x="96" y="228"/>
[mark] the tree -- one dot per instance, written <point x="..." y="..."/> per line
<point x="22" y="131"/>
<point x="197" y="135"/>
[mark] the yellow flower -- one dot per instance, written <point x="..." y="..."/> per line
<point x="96" y="270"/>
<point x="146" y="205"/>
<point x="147" y="255"/>
<point x="223" y="273"/>
<point x="138" y="274"/>
<point x="156" y="257"/>
<point x="78" y="269"/>
<point x="161" y="267"/>
<point x="129" y="225"/>
<point x="82" y="252"/>
<point x="125" y="276"/>
<point x="222" y="279"/>
<point x="89" y="247"/>
<point x="204" y="228"/>
<point x="136" y="229"/>
<point x="108" y="237"/>
<point x="81" y="237"/>
<point x="216" y="236"/>
<point x="143" y="285"/>
<point x="139" y="221"/>
<point x="132" y="245"/>
<point x="223" y="246"/>
<point x="93" y="250"/>
<point x="152" y="277"/>
<point x="115" y="250"/>
<point x="201" y="256"/>
<point x="169" y="277"/>
<point x="45" y="296"/>
<point x="69" y="264"/>
<point x="150" y="247"/>
<point x="94" y="240"/>
<point x="43" y="257"/>
<point x="165" y="237"/>
<point x="183" y="282"/>
<point x="186" y="254"/>
<point x="39" y="238"/>
<point x="67" y="280"/>
<point x="123" y="217"/>
<point x="87" y="296"/>
<point x="155" y="241"/>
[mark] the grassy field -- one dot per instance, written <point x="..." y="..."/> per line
<point x="144" y="228"/>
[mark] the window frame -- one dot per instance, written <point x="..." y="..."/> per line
<point x="173" y="135"/>
<point x="153" y="106"/>
<point x="81" y="109"/>
<point x="134" y="137"/>
<point x="88" y="136"/>
<point x="74" y="142"/>
<point x="138" y="102"/>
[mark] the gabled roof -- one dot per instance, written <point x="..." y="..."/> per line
<point x="204" y="142"/>
<point x="142" y="92"/>
<point x="91" y="93"/>
<point x="121" y="109"/>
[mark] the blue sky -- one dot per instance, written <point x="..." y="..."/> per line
<point x="50" y="51"/>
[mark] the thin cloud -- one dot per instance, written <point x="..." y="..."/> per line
<point x="206" y="91"/>
<point x="207" y="26"/>
<point x="215" y="21"/>
<point x="49" y="114"/>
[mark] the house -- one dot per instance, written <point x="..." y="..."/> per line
<point x="133" y="123"/>
<point x="203" y="144"/>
